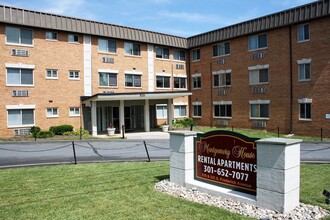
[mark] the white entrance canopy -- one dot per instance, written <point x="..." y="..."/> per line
<point x="139" y="96"/>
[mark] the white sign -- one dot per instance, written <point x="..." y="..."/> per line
<point x="327" y="116"/>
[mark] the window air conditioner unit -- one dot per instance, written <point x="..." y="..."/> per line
<point x="259" y="124"/>
<point x="21" y="53"/>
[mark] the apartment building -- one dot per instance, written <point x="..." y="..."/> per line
<point x="268" y="73"/>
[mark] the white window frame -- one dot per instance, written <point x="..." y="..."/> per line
<point x="109" y="72"/>
<point x="20" y="107"/>
<point x="197" y="51"/>
<point x="180" y="106"/>
<point x="180" y="78"/>
<point x="178" y="52"/>
<point x="73" y="110"/>
<point x="259" y="102"/>
<point x="20" y="38"/>
<point x="134" y="74"/>
<point x="50" y="36"/>
<point x="223" y="103"/>
<point x="258" y="43"/>
<point x="108" y="49"/>
<point x="193" y="77"/>
<point x="164" y="111"/>
<point x="52" y="71"/>
<point x="257" y="68"/>
<point x="131" y="49"/>
<point x="221" y="74"/>
<point x="52" y="112"/>
<point x="163" y="76"/>
<point x="303" y="63"/>
<point x="221" y="47"/>
<point x="199" y="105"/>
<point x="305" y="101"/>
<point x="298" y="31"/>
<point x="71" y="38"/>
<point x="163" y="55"/>
<point x="20" y="66"/>
<point x="75" y="76"/>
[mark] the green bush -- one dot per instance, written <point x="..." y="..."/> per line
<point x="183" y="123"/>
<point x="77" y="133"/>
<point x="61" y="129"/>
<point x="45" y="134"/>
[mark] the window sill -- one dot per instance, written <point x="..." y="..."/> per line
<point x="220" y="56"/>
<point x="14" y="85"/>
<point x="131" y="87"/>
<point x="180" y="117"/>
<point x="133" y="56"/>
<point x="180" y="89"/>
<point x="54" y="116"/>
<point x="179" y="61"/>
<point x="197" y="116"/>
<point x="160" y="88"/>
<point x="199" y="88"/>
<point x="305" y="119"/>
<point x="74" y="115"/>
<point x="260" y="119"/>
<point x="303" y="41"/>
<point x="52" y="40"/>
<point x="49" y="78"/>
<point x="193" y="61"/>
<point x="74" y="79"/>
<point x="258" y="49"/>
<point x="163" y="59"/>
<point x="259" y="84"/>
<point x="222" y="117"/>
<point x="21" y="126"/>
<point x="304" y="80"/>
<point x="77" y="43"/>
<point x="107" y="53"/>
<point x="21" y="45"/>
<point x="221" y="87"/>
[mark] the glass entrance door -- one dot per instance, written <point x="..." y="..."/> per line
<point x="127" y="117"/>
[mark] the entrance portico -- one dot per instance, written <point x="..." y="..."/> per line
<point x="132" y="110"/>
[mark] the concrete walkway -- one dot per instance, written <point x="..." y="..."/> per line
<point x="140" y="135"/>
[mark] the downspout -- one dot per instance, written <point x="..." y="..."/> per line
<point x="291" y="81"/>
<point x="211" y="101"/>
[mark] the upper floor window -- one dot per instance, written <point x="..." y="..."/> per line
<point x="19" y="77"/>
<point x="20" y="117"/>
<point x="132" y="49"/>
<point x="163" y="82"/>
<point x="196" y="55"/>
<point x="180" y="82"/>
<point x="132" y="80"/>
<point x="179" y="55"/>
<point x="73" y="38"/>
<point x="51" y="35"/>
<point x="196" y="81"/>
<point x="73" y="74"/>
<point x="258" y="42"/>
<point x="258" y="74"/>
<point x="222" y="78"/>
<point x="304" y="70"/>
<point x="108" y="46"/>
<point x="303" y="33"/>
<point x="51" y="74"/>
<point x="74" y="111"/>
<point x="52" y="112"/>
<point x="221" y="49"/>
<point x="108" y="79"/>
<point x="163" y="53"/>
<point x="19" y="36"/>
<point x="259" y="109"/>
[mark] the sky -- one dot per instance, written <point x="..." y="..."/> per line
<point x="183" y="18"/>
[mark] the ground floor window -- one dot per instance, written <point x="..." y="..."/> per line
<point x="197" y="110"/>
<point x="52" y="112"/>
<point x="259" y="111"/>
<point x="180" y="111"/>
<point x="305" y="111"/>
<point x="222" y="110"/>
<point x="20" y="117"/>
<point x="161" y="111"/>
<point x="74" y="111"/>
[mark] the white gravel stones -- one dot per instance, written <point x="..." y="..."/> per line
<point x="303" y="211"/>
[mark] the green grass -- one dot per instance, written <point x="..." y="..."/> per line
<point x="117" y="191"/>
<point x="260" y="133"/>
<point x="96" y="191"/>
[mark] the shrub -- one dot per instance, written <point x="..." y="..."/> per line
<point x="34" y="131"/>
<point x="183" y="123"/>
<point x="45" y="134"/>
<point x="61" y="129"/>
<point x="77" y="133"/>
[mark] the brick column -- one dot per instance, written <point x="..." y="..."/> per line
<point x="278" y="173"/>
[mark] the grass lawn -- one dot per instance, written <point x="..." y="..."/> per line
<point x="117" y="191"/>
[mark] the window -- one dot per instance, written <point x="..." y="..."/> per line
<point x="197" y="110"/>
<point x="51" y="74"/>
<point x="51" y="35"/>
<point x="222" y="110"/>
<point x="258" y="76"/>
<point x="163" y="81"/>
<point x="196" y="55"/>
<point x="221" y="49"/>
<point x="259" y="111"/>
<point x="74" y="74"/>
<point x="196" y="82"/>
<point x="163" y="53"/>
<point x="74" y="111"/>
<point x="73" y="38"/>
<point x="108" y="79"/>
<point x="179" y="55"/>
<point x="20" y="117"/>
<point x="258" y="42"/>
<point x="108" y="46"/>
<point x="19" y="77"/>
<point x="222" y="78"/>
<point x="180" y="82"/>
<point x="161" y="111"/>
<point x="19" y="36"/>
<point x="132" y="49"/>
<point x="180" y="111"/>
<point x="305" y="109"/>
<point x="52" y="112"/>
<point x="303" y="33"/>
<point x="304" y="69"/>
<point x="132" y="80"/>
